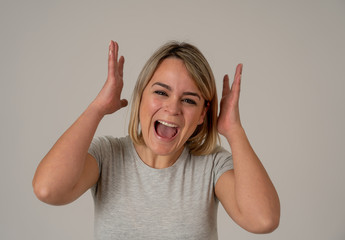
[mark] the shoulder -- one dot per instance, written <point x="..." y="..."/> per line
<point x="218" y="160"/>
<point x="221" y="161"/>
<point x="106" y="146"/>
<point x="213" y="165"/>
<point x="218" y="154"/>
<point x="222" y="156"/>
<point x="109" y="141"/>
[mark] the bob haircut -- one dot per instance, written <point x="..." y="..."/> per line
<point x="205" y="137"/>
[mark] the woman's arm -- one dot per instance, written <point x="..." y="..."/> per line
<point x="67" y="171"/>
<point x="246" y="192"/>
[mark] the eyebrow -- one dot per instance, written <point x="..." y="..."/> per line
<point x="170" y="89"/>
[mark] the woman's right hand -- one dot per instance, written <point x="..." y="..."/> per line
<point x="109" y="98"/>
<point x="67" y="171"/>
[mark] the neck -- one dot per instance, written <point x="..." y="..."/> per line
<point x="154" y="160"/>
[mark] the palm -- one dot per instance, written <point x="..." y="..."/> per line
<point x="109" y="99"/>
<point x="229" y="116"/>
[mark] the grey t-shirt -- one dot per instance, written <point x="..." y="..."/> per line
<point x="135" y="201"/>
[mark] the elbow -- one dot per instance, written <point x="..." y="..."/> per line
<point x="267" y="220"/>
<point x="269" y="225"/>
<point x="266" y="225"/>
<point x="45" y="194"/>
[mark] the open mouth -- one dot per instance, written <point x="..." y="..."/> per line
<point x="166" y="130"/>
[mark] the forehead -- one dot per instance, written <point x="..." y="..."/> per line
<point x="172" y="71"/>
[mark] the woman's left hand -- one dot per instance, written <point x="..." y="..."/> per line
<point x="229" y="115"/>
<point x="246" y="192"/>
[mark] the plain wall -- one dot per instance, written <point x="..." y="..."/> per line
<point x="53" y="57"/>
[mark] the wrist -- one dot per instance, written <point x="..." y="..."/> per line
<point x="234" y="132"/>
<point x="95" y="110"/>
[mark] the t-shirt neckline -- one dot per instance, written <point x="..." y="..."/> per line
<point x="180" y="159"/>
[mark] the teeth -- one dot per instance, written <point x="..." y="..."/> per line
<point x="168" y="124"/>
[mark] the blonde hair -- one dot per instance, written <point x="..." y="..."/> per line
<point x="205" y="137"/>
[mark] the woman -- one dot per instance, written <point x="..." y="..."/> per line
<point x="165" y="180"/>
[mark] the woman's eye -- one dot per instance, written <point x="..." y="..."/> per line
<point x="189" y="101"/>
<point x="162" y="93"/>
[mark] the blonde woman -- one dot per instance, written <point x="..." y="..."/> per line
<point x="164" y="180"/>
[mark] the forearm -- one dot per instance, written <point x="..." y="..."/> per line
<point x="61" y="168"/>
<point x="256" y="196"/>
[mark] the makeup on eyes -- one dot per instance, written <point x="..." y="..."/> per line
<point x="167" y="87"/>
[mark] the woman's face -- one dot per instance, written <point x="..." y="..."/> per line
<point x="171" y="108"/>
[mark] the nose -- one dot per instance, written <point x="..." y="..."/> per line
<point x="173" y="106"/>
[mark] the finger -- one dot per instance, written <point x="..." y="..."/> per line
<point x="121" y="63"/>
<point x="226" y="85"/>
<point x="236" y="85"/>
<point x="111" y="60"/>
<point x="124" y="103"/>
<point x="116" y="50"/>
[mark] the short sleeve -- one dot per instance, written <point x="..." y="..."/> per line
<point x="222" y="163"/>
<point x="99" y="149"/>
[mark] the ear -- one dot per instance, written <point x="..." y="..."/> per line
<point x="203" y="114"/>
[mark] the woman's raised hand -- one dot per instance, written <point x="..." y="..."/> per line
<point x="229" y="115"/>
<point x="109" y="98"/>
<point x="246" y="193"/>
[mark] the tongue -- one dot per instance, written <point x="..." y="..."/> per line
<point x="165" y="131"/>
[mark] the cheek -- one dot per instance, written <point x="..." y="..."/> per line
<point x="153" y="104"/>
<point x="203" y="116"/>
<point x="148" y="107"/>
<point x="196" y="117"/>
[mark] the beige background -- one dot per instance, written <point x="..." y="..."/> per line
<point x="53" y="60"/>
